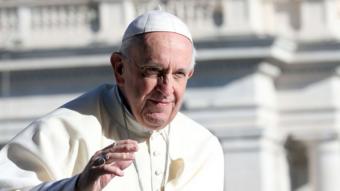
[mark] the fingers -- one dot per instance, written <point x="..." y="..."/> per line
<point x="122" y="150"/>
<point x="123" y="156"/>
<point x="107" y="163"/>
<point x="114" y="158"/>
<point x="111" y="169"/>
<point x="122" y="146"/>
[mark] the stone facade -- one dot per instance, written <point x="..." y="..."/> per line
<point x="267" y="79"/>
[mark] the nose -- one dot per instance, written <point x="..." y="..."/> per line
<point x="165" y="84"/>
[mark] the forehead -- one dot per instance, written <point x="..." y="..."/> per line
<point x="165" y="46"/>
<point x="167" y="40"/>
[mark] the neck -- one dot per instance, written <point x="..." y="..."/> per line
<point x="123" y="100"/>
<point x="132" y="124"/>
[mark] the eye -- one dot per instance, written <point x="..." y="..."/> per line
<point x="150" y="71"/>
<point x="179" y="75"/>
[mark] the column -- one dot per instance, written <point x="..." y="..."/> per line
<point x="254" y="153"/>
<point x="24" y="18"/>
<point x="324" y="161"/>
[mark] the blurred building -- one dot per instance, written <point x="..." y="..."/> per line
<point x="267" y="80"/>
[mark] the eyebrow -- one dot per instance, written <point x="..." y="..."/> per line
<point x="149" y="63"/>
<point x="158" y="66"/>
<point x="184" y="70"/>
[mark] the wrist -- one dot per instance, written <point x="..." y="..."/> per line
<point x="76" y="185"/>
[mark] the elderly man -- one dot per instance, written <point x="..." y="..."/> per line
<point x="129" y="136"/>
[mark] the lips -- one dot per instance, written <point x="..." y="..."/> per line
<point x="161" y="101"/>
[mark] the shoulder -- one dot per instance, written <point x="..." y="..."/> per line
<point x="188" y="127"/>
<point x="60" y="128"/>
<point x="199" y="151"/>
<point x="190" y="136"/>
<point x="67" y="119"/>
<point x="79" y="118"/>
<point x="90" y="102"/>
<point x="84" y="111"/>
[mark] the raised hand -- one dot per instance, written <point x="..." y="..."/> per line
<point x="105" y="164"/>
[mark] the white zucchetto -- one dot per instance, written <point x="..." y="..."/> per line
<point x="156" y="21"/>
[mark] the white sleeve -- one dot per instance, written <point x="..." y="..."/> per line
<point x="67" y="184"/>
<point x="47" y="155"/>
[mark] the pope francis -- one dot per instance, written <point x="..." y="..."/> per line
<point x="129" y="136"/>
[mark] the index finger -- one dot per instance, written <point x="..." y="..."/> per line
<point x="127" y="141"/>
<point x="120" y="142"/>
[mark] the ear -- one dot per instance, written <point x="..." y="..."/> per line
<point x="118" y="67"/>
<point x="191" y="72"/>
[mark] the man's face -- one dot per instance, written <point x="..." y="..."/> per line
<point x="155" y="76"/>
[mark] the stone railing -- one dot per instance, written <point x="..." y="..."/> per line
<point x="62" y="23"/>
<point x="52" y="23"/>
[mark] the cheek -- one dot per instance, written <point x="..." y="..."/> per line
<point x="142" y="88"/>
<point x="146" y="86"/>
<point x="179" y="92"/>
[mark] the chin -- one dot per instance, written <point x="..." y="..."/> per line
<point x="156" y="123"/>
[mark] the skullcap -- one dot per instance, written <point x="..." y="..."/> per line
<point x="156" y="21"/>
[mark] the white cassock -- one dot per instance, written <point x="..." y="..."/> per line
<point x="51" y="152"/>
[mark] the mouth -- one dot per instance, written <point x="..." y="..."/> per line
<point x="161" y="102"/>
